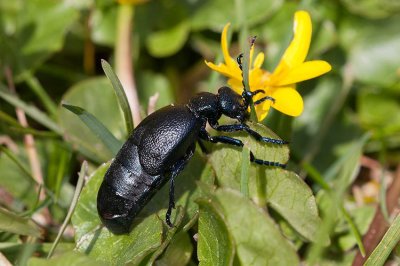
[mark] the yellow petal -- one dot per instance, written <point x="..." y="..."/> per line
<point x="304" y="71"/>
<point x="259" y="60"/>
<point x="297" y="51"/>
<point x="229" y="61"/>
<point x="224" y="70"/>
<point x="236" y="85"/>
<point x="288" y="101"/>
<point x="262" y="110"/>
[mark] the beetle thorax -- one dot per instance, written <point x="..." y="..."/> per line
<point x="205" y="106"/>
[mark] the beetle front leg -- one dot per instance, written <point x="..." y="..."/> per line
<point x="254" y="134"/>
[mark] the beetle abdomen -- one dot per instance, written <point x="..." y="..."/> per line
<point x="165" y="136"/>
<point x="125" y="190"/>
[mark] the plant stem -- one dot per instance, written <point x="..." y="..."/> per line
<point x="123" y="58"/>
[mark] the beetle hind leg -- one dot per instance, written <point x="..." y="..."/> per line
<point x="175" y="170"/>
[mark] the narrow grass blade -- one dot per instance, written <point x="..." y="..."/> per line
<point x="112" y="143"/>
<point x="387" y="244"/>
<point x="78" y="190"/>
<point x="31" y="111"/>
<point x="354" y="230"/>
<point x="121" y="96"/>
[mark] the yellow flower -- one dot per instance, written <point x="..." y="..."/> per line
<point x="281" y="83"/>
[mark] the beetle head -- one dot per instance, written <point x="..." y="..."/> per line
<point x="232" y="104"/>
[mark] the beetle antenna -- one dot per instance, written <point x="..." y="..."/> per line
<point x="246" y="94"/>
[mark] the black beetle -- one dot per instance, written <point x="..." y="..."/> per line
<point x="161" y="145"/>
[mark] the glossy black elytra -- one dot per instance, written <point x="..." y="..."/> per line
<point x="161" y="145"/>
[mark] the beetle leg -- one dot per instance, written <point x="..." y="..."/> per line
<point x="254" y="134"/>
<point x="175" y="170"/>
<point x="171" y="204"/>
<point x="263" y="99"/>
<point x="202" y="147"/>
<point x="239" y="143"/>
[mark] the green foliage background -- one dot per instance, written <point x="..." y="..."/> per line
<point x="51" y="51"/>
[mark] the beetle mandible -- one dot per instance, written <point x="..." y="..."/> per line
<point x="161" y="145"/>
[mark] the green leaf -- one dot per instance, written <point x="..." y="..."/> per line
<point x="178" y="252"/>
<point x="168" y="41"/>
<point x="66" y="259"/>
<point x="372" y="49"/>
<point x="285" y="192"/>
<point x="97" y="128"/>
<point x="215" y="14"/>
<point x="96" y="241"/>
<point x="387" y="244"/>
<point x="10" y="222"/>
<point x="378" y="121"/>
<point x="99" y="99"/>
<point x="38" y="30"/>
<point x="257" y="237"/>
<point x="151" y="83"/>
<point x="169" y="236"/>
<point x="374" y="9"/>
<point x="121" y="96"/>
<point x="16" y="179"/>
<point x="215" y="244"/>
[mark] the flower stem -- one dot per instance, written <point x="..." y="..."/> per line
<point x="123" y="58"/>
<point x="245" y="46"/>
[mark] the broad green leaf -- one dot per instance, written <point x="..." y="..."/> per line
<point x="10" y="222"/>
<point x="104" y="19"/>
<point x="66" y="259"/>
<point x="98" y="98"/>
<point x="96" y="241"/>
<point x="97" y="128"/>
<point x="215" y="14"/>
<point x="378" y="121"/>
<point x="372" y="49"/>
<point x="178" y="252"/>
<point x="121" y="96"/>
<point x="168" y="41"/>
<point x="283" y="190"/>
<point x="169" y="236"/>
<point x="387" y="244"/>
<point x="215" y="243"/>
<point x="258" y="240"/>
<point x="151" y="83"/>
<point x="374" y="9"/>
<point x="34" y="31"/>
